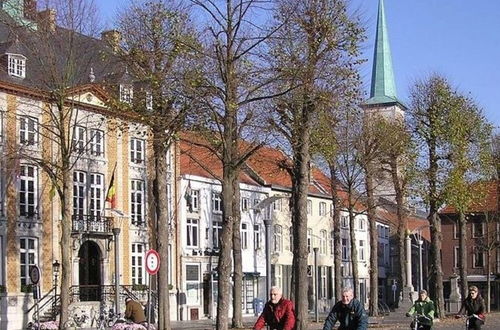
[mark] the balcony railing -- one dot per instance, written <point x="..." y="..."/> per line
<point x="91" y="224"/>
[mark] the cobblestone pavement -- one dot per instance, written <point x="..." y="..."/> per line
<point x="492" y="323"/>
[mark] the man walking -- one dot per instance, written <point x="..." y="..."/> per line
<point x="349" y="312"/>
<point x="278" y="313"/>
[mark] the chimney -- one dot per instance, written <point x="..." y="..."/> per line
<point x="47" y="20"/>
<point x="112" y="38"/>
<point x="30" y="9"/>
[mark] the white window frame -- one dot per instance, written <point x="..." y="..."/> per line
<point x="278" y="276"/>
<point x="309" y="240"/>
<point x="309" y="207"/>
<point x="277" y="205"/>
<point x="456" y="256"/>
<point x="30" y="258"/>
<point x="344" y="243"/>
<point x="28" y="130"/>
<point x="245" y="204"/>
<point x="149" y="101"/>
<point x="216" y="232"/>
<point x="216" y="202"/>
<point x="28" y="191"/>
<point x="362" y="250"/>
<point x="323" y="280"/>
<point x="137" y="202"/>
<point x="475" y="234"/>
<point x="138" y="273"/>
<point x="96" y="194"/>
<point x="16" y="65"/>
<point x="79" y="193"/>
<point x="362" y="224"/>
<point x="126" y="93"/>
<point x="193" y="294"/>
<point x="195" y="200"/>
<point x="476" y="253"/>
<point x="344" y="222"/>
<point x="278" y="238"/>
<point x="79" y="139"/>
<point x="97" y="142"/>
<point x="137" y="151"/>
<point x="290" y="238"/>
<point x="256" y="237"/>
<point x="323" y="237"/>
<point x="322" y="208"/>
<point x="331" y="243"/>
<point x="192" y="233"/>
<point x="244" y="235"/>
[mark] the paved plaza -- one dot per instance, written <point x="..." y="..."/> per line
<point x="388" y="323"/>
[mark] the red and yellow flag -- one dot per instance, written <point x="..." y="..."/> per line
<point x="111" y="195"/>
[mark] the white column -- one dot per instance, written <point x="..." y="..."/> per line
<point x="408" y="262"/>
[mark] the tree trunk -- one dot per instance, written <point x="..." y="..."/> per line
<point x="65" y="244"/>
<point x="462" y="246"/>
<point x="373" y="308"/>
<point x="402" y="224"/>
<point x="300" y="189"/>
<point x="488" y="281"/>
<point x="354" y="248"/>
<point x="162" y="228"/>
<point x="237" y="321"/>
<point x="435" y="254"/>
<point x="337" y="248"/>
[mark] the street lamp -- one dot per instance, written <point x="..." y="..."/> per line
<point x="116" y="233"/>
<point x="55" y="269"/>
<point x="316" y="284"/>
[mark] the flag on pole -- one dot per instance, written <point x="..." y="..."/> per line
<point x="111" y="195"/>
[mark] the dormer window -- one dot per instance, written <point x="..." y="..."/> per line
<point x="17" y="65"/>
<point x="126" y="93"/>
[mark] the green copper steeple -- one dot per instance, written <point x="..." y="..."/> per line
<point x="383" y="87"/>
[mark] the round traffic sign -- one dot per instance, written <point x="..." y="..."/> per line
<point x="152" y="262"/>
<point x="34" y="274"/>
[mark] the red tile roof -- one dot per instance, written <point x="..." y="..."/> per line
<point x="488" y="203"/>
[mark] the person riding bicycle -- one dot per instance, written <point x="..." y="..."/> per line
<point x="423" y="307"/>
<point x="474" y="306"/>
<point x="349" y="312"/>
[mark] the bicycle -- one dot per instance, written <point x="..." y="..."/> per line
<point x="468" y="319"/>
<point x="419" y="322"/>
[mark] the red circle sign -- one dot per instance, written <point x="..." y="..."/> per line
<point x="152" y="262"/>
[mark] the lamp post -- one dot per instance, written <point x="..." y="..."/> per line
<point x="316" y="285"/>
<point x="408" y="263"/>
<point x="55" y="269"/>
<point x="116" y="233"/>
<point x="267" y="224"/>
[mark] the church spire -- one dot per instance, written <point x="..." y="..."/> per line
<point x="383" y="85"/>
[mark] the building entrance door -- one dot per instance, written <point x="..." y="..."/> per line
<point x="90" y="271"/>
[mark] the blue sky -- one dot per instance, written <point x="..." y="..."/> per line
<point x="457" y="38"/>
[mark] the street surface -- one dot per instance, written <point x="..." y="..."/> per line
<point x="395" y="322"/>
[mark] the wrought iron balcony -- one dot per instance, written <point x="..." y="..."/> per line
<point x="91" y="224"/>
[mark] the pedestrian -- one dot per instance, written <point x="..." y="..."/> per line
<point x="278" y="313"/>
<point x="474" y="307"/>
<point x="349" y="312"/>
<point x="425" y="310"/>
<point x="134" y="311"/>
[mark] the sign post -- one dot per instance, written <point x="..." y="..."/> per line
<point x="152" y="267"/>
<point x="35" y="278"/>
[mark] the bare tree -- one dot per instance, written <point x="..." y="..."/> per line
<point x="60" y="56"/>
<point x="156" y="46"/>
<point x="237" y="81"/>
<point x="317" y="45"/>
<point x="438" y="113"/>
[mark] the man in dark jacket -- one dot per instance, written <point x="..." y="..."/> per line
<point x="349" y="312"/>
<point x="474" y="307"/>
<point x="278" y="313"/>
<point x="134" y="311"/>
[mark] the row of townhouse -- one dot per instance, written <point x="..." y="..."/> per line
<point x="265" y="192"/>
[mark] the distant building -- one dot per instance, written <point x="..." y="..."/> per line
<point x="483" y="244"/>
